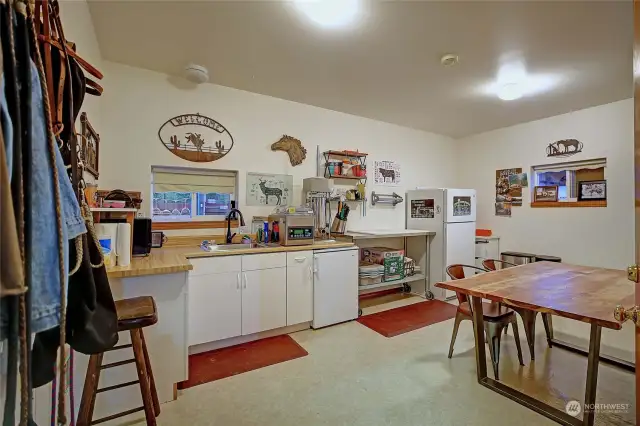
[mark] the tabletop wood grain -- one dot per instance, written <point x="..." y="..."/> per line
<point x="582" y="293"/>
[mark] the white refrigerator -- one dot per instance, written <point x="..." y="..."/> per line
<point x="451" y="214"/>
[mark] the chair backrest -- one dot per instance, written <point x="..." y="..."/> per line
<point x="490" y="264"/>
<point x="456" y="272"/>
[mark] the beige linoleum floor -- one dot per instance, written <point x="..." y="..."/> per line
<point x="354" y="376"/>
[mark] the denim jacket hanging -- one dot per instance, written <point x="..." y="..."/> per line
<point x="45" y="279"/>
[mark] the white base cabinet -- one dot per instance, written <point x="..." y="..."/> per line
<point x="264" y="300"/>
<point x="215" y="307"/>
<point x="299" y="287"/>
<point x="241" y="295"/>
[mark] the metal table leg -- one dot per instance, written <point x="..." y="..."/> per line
<point x="592" y="375"/>
<point x="540" y="407"/>
<point x="427" y="285"/>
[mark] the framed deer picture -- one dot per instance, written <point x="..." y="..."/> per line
<point x="265" y="189"/>
<point x="89" y="146"/>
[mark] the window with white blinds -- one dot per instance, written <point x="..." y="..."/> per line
<point x="566" y="176"/>
<point x="182" y="194"/>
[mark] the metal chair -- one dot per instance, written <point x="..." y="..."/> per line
<point x="528" y="316"/>
<point x="496" y="318"/>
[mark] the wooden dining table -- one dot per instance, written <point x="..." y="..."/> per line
<point x="581" y="293"/>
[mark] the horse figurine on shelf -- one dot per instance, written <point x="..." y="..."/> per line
<point x="293" y="147"/>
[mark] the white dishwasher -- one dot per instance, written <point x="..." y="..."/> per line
<point x="335" y="286"/>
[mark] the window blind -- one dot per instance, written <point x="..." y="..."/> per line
<point x="571" y="166"/>
<point x="219" y="182"/>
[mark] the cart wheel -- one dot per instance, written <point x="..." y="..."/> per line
<point x="430" y="295"/>
<point x="359" y="312"/>
<point x="406" y="288"/>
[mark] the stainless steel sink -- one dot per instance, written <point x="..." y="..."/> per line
<point x="232" y="247"/>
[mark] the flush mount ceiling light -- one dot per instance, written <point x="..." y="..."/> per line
<point x="510" y="92"/>
<point x="330" y="13"/>
<point x="513" y="82"/>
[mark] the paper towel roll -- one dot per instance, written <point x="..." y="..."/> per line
<point x="123" y="247"/>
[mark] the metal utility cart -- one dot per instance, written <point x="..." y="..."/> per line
<point x="416" y="245"/>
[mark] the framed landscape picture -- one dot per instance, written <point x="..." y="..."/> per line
<point x="592" y="190"/>
<point x="545" y="193"/>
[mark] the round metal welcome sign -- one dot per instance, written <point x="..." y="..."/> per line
<point x="194" y="137"/>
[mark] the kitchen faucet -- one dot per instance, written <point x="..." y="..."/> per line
<point x="228" y="219"/>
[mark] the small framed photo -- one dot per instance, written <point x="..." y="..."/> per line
<point x="545" y="193"/>
<point x="90" y="147"/>
<point x="592" y="190"/>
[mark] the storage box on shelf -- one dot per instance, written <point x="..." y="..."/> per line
<point x="391" y="259"/>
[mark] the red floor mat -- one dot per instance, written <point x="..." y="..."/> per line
<point x="220" y="363"/>
<point x="408" y="318"/>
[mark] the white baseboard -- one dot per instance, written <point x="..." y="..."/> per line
<point x="210" y="346"/>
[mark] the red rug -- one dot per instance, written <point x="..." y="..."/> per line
<point x="408" y="318"/>
<point x="226" y="362"/>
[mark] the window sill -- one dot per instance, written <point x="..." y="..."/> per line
<point x="544" y="204"/>
<point x="200" y="224"/>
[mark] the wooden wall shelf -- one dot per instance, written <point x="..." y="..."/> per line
<point x="545" y="204"/>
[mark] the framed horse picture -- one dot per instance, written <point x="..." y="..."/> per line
<point x="545" y="193"/>
<point x="90" y="146"/>
<point x="592" y="190"/>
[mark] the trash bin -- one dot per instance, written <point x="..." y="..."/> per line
<point x="545" y="258"/>
<point x="517" y="258"/>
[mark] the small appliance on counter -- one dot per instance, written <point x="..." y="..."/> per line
<point x="142" y="237"/>
<point x="157" y="239"/>
<point x="292" y="226"/>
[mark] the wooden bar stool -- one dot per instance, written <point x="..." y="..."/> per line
<point x="133" y="315"/>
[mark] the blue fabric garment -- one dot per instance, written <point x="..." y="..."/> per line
<point x="45" y="276"/>
<point x="7" y="126"/>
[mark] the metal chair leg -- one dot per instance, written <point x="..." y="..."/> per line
<point x="459" y="317"/>
<point x="516" y="335"/>
<point x="548" y="328"/>
<point x="494" y="331"/>
<point x="529" y="321"/>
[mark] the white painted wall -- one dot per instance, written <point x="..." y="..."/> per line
<point x="78" y="27"/>
<point x="601" y="237"/>
<point x="137" y="102"/>
<point x="587" y="236"/>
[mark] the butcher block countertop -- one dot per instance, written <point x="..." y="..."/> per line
<point x="171" y="260"/>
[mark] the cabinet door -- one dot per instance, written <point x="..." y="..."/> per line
<point x="264" y="300"/>
<point x="299" y="287"/>
<point x="215" y="303"/>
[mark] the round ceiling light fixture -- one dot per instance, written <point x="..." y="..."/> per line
<point x="449" y="60"/>
<point x="510" y="92"/>
<point x="330" y="13"/>
<point x="196" y="73"/>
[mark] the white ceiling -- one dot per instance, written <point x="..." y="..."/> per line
<point x="387" y="68"/>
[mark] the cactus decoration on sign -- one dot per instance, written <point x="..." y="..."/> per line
<point x="194" y="137"/>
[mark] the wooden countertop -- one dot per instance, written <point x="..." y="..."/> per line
<point x="387" y="233"/>
<point x="581" y="293"/>
<point x="176" y="259"/>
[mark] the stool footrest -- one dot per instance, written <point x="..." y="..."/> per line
<point x="115" y="348"/>
<point x="117" y="364"/>
<point x="121" y="385"/>
<point x="115" y="416"/>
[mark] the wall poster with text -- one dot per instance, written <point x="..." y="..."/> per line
<point x="506" y="192"/>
